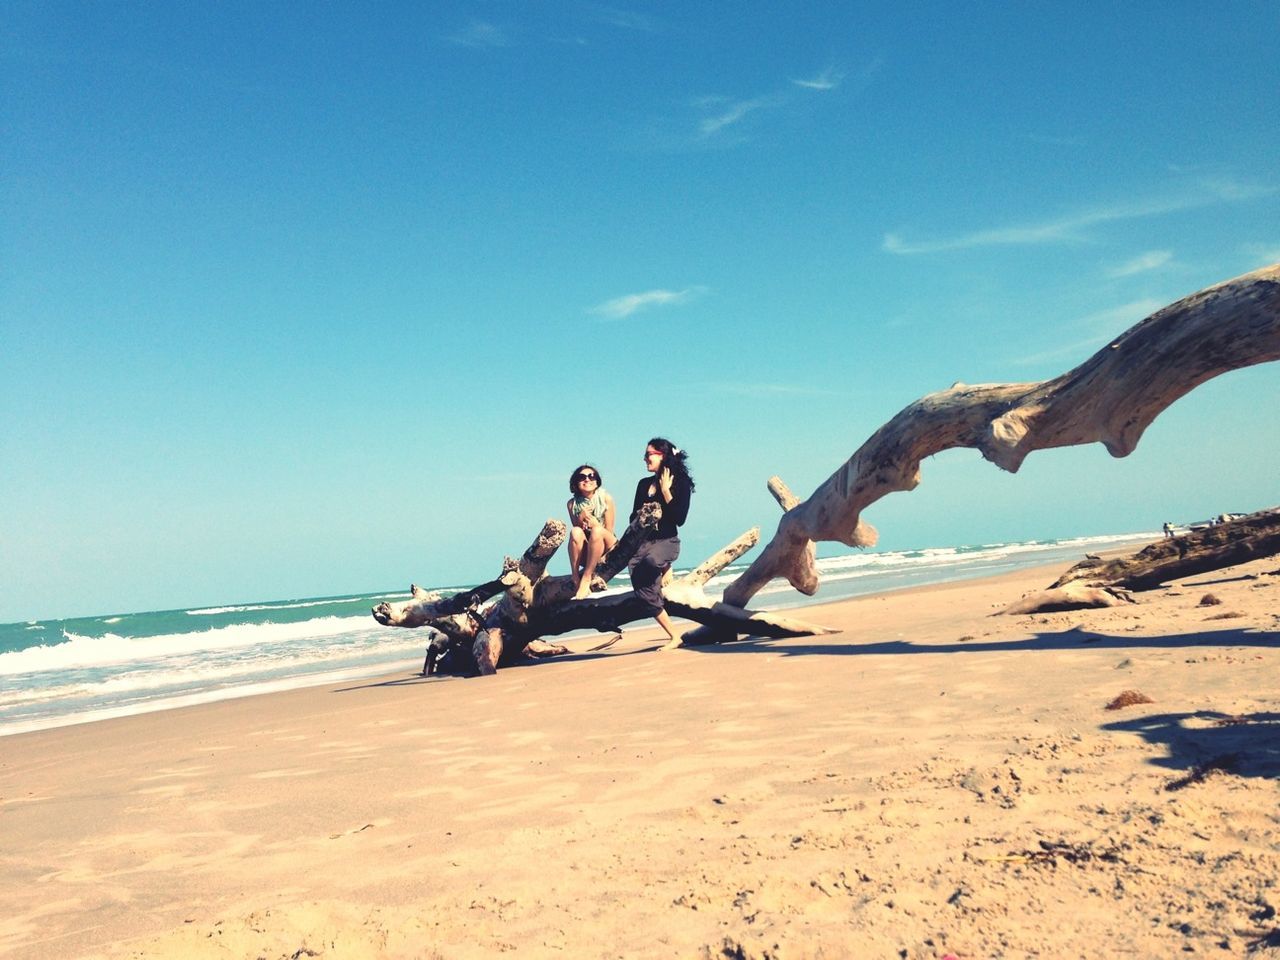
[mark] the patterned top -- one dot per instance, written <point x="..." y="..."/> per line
<point x="596" y="504"/>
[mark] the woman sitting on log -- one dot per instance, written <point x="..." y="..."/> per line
<point x="591" y="513"/>
<point x="670" y="487"/>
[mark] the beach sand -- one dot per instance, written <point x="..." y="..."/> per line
<point x="932" y="780"/>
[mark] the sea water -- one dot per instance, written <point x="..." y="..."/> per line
<point x="56" y="672"/>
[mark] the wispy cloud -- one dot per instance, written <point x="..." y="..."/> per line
<point x="1107" y="324"/>
<point x="732" y="113"/>
<point x="1264" y="254"/>
<point x="1055" y="140"/>
<point x="624" y="19"/>
<point x="773" y="390"/>
<point x="1226" y="188"/>
<point x="1115" y="320"/>
<point x="1072" y="227"/>
<point x="620" y="307"/>
<point x="480" y="34"/>
<point x="1151" y="260"/>
<point x="726" y="113"/>
<point x="828" y="79"/>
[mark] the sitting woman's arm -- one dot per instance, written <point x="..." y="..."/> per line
<point x="610" y="512"/>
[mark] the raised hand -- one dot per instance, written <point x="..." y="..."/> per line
<point x="665" y="479"/>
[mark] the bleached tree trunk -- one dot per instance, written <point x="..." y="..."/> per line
<point x="534" y="605"/>
<point x="1111" y="398"/>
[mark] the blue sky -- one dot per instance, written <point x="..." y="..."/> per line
<point x="308" y="299"/>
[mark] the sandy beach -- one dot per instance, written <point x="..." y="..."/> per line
<point x="931" y="780"/>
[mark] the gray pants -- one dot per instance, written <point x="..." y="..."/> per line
<point x="651" y="561"/>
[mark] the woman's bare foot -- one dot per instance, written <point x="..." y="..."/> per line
<point x="584" y="590"/>
<point x="674" y="643"/>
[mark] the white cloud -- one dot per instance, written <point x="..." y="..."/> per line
<point x="1118" y="319"/>
<point x="1151" y="260"/>
<point x="774" y="390"/>
<point x="735" y="113"/>
<point x="480" y="34"/>
<point x="620" y="307"/>
<point x="829" y="79"/>
<point x="1264" y="254"/>
<point x="625" y="19"/>
<point x="1109" y="323"/>
<point x="1055" y="140"/>
<point x="1073" y="226"/>
<point x="725" y="113"/>
<point x="1224" y="188"/>
<point x="1079" y="350"/>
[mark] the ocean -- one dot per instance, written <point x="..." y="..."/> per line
<point x="58" y="672"/>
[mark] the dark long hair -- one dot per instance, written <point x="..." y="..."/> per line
<point x="573" y="487"/>
<point x="674" y="458"/>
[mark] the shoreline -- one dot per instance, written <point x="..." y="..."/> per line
<point x="780" y="597"/>
<point x="931" y="779"/>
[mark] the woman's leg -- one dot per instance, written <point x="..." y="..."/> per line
<point x="651" y="562"/>
<point x="665" y="623"/>
<point x="577" y="536"/>
<point x="595" y="550"/>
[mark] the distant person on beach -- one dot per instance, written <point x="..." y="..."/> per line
<point x="1168" y="530"/>
<point x="591" y="516"/>
<point x="670" y="487"/>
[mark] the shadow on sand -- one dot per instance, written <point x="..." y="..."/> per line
<point x="1200" y="743"/>
<point x="1072" y="639"/>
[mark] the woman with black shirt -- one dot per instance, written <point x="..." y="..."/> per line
<point x="670" y="487"/>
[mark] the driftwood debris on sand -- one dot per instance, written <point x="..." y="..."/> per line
<point x="1107" y="583"/>
<point x="479" y="634"/>
<point x="1252" y="537"/>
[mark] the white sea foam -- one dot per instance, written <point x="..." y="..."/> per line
<point x="80" y="652"/>
<point x="255" y="607"/>
<point x="190" y="673"/>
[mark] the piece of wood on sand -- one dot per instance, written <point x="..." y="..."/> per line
<point x="1107" y="583"/>
<point x="1252" y="537"/>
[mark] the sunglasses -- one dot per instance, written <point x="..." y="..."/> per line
<point x="579" y="477"/>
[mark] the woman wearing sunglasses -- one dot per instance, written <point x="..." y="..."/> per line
<point x="591" y="513"/>
<point x="670" y="487"/>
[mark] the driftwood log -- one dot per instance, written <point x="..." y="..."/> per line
<point x="1073" y="596"/>
<point x="1111" y="398"/>
<point x="1253" y="537"/>
<point x="1095" y="582"/>
<point x="478" y="634"/>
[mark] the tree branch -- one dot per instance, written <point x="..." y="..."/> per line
<point x="1111" y="398"/>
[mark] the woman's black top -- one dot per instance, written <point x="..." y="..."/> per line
<point x="673" y="513"/>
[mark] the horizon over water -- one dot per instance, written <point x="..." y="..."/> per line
<point x="59" y="672"/>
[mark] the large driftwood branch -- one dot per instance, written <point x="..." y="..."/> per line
<point x="684" y="598"/>
<point x="1111" y="398"/>
<point x="533" y="605"/>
